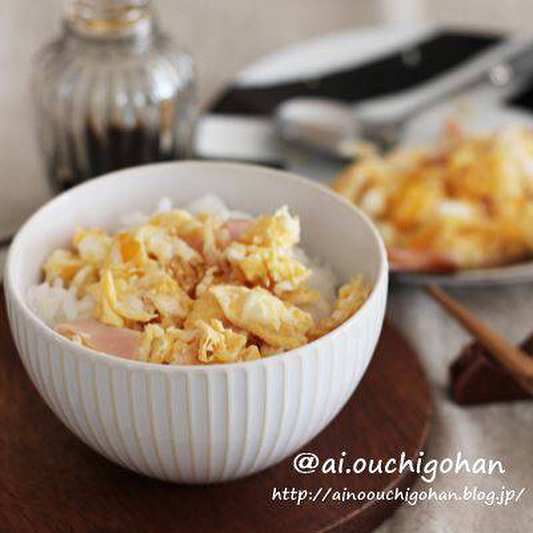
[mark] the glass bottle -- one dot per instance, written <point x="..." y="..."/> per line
<point x="111" y="92"/>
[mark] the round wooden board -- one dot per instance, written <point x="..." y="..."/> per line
<point x="51" y="482"/>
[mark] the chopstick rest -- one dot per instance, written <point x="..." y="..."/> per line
<point x="476" y="378"/>
<point x="493" y="348"/>
<point x="513" y="359"/>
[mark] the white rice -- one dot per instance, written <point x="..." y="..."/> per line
<point x="56" y="304"/>
<point x="213" y="205"/>
<point x="324" y="281"/>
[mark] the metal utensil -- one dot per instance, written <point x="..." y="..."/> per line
<point x="340" y="130"/>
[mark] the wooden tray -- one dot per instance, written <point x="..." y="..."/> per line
<point x="50" y="482"/>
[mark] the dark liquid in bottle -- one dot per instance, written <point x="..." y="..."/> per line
<point x="119" y="147"/>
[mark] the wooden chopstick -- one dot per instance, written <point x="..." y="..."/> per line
<point x="516" y="361"/>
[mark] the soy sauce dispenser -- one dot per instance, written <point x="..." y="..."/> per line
<point x="112" y="92"/>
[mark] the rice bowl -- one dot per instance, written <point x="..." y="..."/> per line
<point x="201" y="423"/>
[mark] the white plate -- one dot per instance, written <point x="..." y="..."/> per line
<point x="246" y="138"/>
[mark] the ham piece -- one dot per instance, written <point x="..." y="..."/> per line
<point x="122" y="342"/>
<point x="236" y="227"/>
<point x="403" y="260"/>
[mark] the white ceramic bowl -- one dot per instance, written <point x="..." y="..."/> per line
<point x="204" y="423"/>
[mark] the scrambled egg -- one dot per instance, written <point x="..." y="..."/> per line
<point x="264" y="253"/>
<point x="466" y="203"/>
<point x="196" y="290"/>
<point x="278" y="324"/>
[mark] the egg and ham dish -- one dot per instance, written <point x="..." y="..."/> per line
<point x="192" y="288"/>
<point x="465" y="203"/>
